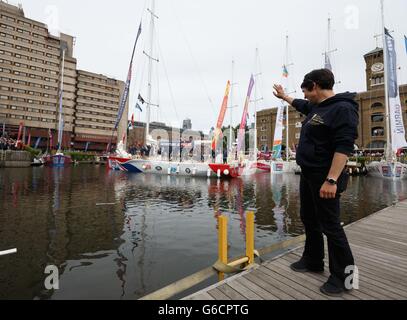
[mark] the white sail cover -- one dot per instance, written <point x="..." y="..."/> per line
<point x="398" y="134"/>
<point x="278" y="133"/>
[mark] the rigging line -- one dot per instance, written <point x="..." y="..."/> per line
<point x="195" y="63"/>
<point x="136" y="63"/>
<point x="141" y="20"/>
<point x="169" y="83"/>
<point x="262" y="91"/>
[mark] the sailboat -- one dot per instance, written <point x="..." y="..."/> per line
<point x="59" y="159"/>
<point x="236" y="167"/>
<point x="157" y="163"/>
<point x="116" y="161"/>
<point x="278" y="164"/>
<point x="389" y="167"/>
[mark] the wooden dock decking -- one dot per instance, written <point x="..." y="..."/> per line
<point x="379" y="246"/>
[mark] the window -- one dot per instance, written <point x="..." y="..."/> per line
<point x="377" y="105"/>
<point x="378" y="132"/>
<point x="298" y="125"/>
<point x="376" y="145"/>
<point x="377" y="117"/>
<point x="297" y="135"/>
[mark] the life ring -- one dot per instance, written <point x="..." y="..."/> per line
<point x="188" y="171"/>
<point x="158" y="168"/>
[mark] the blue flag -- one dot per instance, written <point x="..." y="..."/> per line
<point x="405" y="42"/>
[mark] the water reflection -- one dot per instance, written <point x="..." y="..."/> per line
<point x="119" y="236"/>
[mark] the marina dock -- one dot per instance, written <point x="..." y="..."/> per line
<point x="379" y="245"/>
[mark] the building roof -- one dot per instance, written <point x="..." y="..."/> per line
<point x="377" y="50"/>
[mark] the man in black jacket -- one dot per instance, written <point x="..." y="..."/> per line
<point x="327" y="139"/>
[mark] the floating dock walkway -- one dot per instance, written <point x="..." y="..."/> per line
<point x="379" y="245"/>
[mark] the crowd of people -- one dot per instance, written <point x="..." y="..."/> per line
<point x="138" y="149"/>
<point x="7" y="144"/>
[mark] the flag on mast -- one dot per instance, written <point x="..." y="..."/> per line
<point x="398" y="134"/>
<point x="243" y="123"/>
<point x="328" y="64"/>
<point x="405" y="42"/>
<point x="125" y="95"/>
<point x="285" y="71"/>
<point x="221" y="117"/>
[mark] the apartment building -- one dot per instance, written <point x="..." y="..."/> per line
<point x="30" y="79"/>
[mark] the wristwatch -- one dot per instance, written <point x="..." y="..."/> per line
<point x="331" y="181"/>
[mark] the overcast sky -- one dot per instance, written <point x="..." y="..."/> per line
<point x="197" y="40"/>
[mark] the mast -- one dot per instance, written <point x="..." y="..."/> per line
<point x="257" y="73"/>
<point x="231" y="107"/>
<point x="287" y="64"/>
<point x="287" y="106"/>
<point x="150" y="68"/>
<point x="329" y="35"/>
<point x="386" y="85"/>
<point x="60" y="120"/>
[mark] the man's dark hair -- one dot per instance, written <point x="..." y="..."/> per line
<point x="324" y="78"/>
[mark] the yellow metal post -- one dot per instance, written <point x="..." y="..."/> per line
<point x="223" y="243"/>
<point x="250" y="236"/>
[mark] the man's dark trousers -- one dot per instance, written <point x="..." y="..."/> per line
<point x="322" y="216"/>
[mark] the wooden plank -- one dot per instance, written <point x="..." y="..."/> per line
<point x="382" y="230"/>
<point x="388" y="288"/>
<point x="274" y="290"/>
<point x="244" y="291"/>
<point x="396" y="260"/>
<point x="230" y="292"/>
<point x="401" y="221"/>
<point x="381" y="258"/>
<point x="379" y="277"/>
<point x="379" y="230"/>
<point x="312" y="283"/>
<point x="278" y="282"/>
<point x="264" y="294"/>
<point x="379" y="244"/>
<point x="389" y="256"/>
<point x="201" y="296"/>
<point x="382" y="269"/>
<point x="300" y="286"/>
<point x="312" y="276"/>
<point x="366" y="288"/>
<point x="218" y="295"/>
<point x="383" y="266"/>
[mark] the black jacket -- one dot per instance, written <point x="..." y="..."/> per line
<point x="330" y="127"/>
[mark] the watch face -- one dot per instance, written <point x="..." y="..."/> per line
<point x="378" y="67"/>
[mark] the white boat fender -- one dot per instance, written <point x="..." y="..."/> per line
<point x="7" y="252"/>
<point x="169" y="170"/>
<point x="178" y="169"/>
<point x="218" y="173"/>
<point x="194" y="171"/>
<point x="226" y="172"/>
<point x="209" y="172"/>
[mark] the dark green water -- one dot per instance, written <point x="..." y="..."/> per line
<point x="118" y="236"/>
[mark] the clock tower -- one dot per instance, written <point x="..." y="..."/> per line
<point x="374" y="70"/>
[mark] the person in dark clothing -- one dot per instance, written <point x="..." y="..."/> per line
<point x="327" y="140"/>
